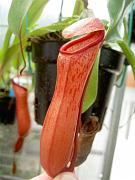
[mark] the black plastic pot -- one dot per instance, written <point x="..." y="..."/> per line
<point x="111" y="60"/>
<point x="111" y="64"/>
<point x="45" y="55"/>
<point x="7" y="110"/>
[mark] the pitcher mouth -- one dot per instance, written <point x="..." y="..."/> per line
<point x="18" y="85"/>
<point x="65" y="49"/>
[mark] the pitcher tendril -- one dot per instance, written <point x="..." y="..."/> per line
<point x="21" y="48"/>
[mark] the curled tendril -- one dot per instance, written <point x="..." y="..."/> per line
<point x="21" y="48"/>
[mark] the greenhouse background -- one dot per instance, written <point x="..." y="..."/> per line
<point x="112" y="155"/>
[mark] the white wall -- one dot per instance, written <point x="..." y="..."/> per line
<point x="4" y="7"/>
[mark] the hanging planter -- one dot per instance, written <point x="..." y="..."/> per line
<point x="104" y="70"/>
<point x="111" y="64"/>
<point x="45" y="55"/>
<point x="111" y="60"/>
<point x="45" y="49"/>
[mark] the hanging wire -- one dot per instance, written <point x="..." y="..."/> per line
<point x="130" y="27"/>
<point x="60" y="15"/>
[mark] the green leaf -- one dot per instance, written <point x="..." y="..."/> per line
<point x="113" y="34"/>
<point x="7" y="40"/>
<point x="54" y="27"/>
<point x="1" y="53"/>
<point x="34" y="13"/>
<point x="17" y="12"/>
<point x="128" y="3"/>
<point x="128" y="53"/>
<point x="115" y="9"/>
<point x="16" y="61"/>
<point x="6" y="44"/>
<point x="92" y="87"/>
<point x="78" y="8"/>
<point x="125" y="38"/>
<point x="36" y="10"/>
<point x="105" y="23"/>
<point x="10" y="53"/>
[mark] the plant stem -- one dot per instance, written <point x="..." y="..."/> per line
<point x="60" y="16"/>
<point x="21" y="48"/>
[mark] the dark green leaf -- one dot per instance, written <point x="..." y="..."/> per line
<point x="92" y="87"/>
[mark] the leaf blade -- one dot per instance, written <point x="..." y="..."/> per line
<point x="6" y="43"/>
<point x="115" y="9"/>
<point x="11" y="53"/>
<point x="92" y="87"/>
<point x="34" y="13"/>
<point x="16" y="15"/>
<point x="54" y="27"/>
<point x="78" y="8"/>
<point x="128" y="53"/>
